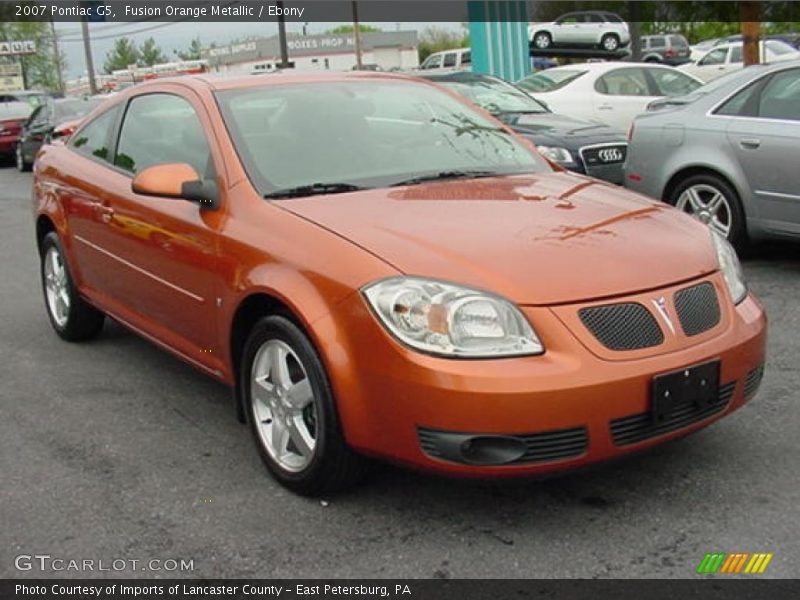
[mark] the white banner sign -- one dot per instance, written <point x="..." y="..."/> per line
<point x="17" y="47"/>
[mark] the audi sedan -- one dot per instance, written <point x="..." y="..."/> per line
<point x="409" y="281"/>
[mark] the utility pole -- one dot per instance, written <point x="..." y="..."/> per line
<point x="751" y="32"/>
<point x="635" y="27"/>
<point x="87" y="50"/>
<point x="57" y="57"/>
<point x="357" y="35"/>
<point x="284" y="64"/>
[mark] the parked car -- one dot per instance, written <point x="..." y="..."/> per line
<point x="727" y="154"/>
<point x="44" y="121"/>
<point x="409" y="280"/>
<point x="608" y="92"/>
<point x="459" y="58"/>
<point x="725" y="58"/>
<point x="12" y="117"/>
<point x="578" y="145"/>
<point x="669" y="49"/>
<point x="593" y="29"/>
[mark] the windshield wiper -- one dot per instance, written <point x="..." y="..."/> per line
<point x="524" y="111"/>
<point x="442" y="175"/>
<point x="315" y="189"/>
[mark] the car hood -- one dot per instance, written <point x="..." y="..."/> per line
<point x="536" y="239"/>
<point x="549" y="129"/>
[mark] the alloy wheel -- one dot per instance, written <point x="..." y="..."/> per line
<point x="610" y="43"/>
<point x="56" y="286"/>
<point x="283" y="405"/>
<point x="709" y="205"/>
<point x="542" y="40"/>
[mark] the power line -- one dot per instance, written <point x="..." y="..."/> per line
<point x="127" y="33"/>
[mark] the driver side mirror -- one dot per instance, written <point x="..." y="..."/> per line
<point x="176" y="180"/>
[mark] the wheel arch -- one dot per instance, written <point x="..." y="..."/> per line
<point x="44" y="225"/>
<point x="699" y="169"/>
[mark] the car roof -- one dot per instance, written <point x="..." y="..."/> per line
<point x="601" y="67"/>
<point x="227" y="82"/>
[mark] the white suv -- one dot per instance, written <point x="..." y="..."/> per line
<point x="579" y="30"/>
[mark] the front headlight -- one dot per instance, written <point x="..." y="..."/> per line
<point x="730" y="267"/>
<point x="558" y="155"/>
<point x="451" y="320"/>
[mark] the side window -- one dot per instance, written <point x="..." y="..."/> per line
<point x="671" y="82"/>
<point x="623" y="82"/>
<point x="657" y="42"/>
<point x="781" y="97"/>
<point x="92" y="140"/>
<point x="742" y="104"/>
<point x="450" y="59"/>
<point x="38" y="116"/>
<point x="466" y="57"/>
<point x="567" y="20"/>
<point x="715" y="57"/>
<point x="433" y="62"/>
<point x="159" y="129"/>
<point x="736" y="55"/>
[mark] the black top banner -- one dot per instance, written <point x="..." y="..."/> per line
<point x="711" y="588"/>
<point x="375" y="10"/>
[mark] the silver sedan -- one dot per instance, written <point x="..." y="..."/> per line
<point x="728" y="153"/>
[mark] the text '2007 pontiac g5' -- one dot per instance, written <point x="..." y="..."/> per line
<point x="380" y="269"/>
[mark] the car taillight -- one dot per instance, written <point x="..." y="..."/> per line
<point x="670" y="53"/>
<point x="64" y="133"/>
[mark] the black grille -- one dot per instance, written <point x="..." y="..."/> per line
<point x="605" y="155"/>
<point x="753" y="380"/>
<point x="697" y="308"/>
<point x="637" y="428"/>
<point x="622" y="326"/>
<point x="545" y="446"/>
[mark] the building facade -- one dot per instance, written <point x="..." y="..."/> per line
<point x="324" y="52"/>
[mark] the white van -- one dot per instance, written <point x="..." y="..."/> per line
<point x="457" y="58"/>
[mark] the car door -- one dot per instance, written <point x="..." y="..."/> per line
<point x="36" y="130"/>
<point x="165" y="249"/>
<point x="764" y="134"/>
<point x="566" y="30"/>
<point x="620" y="95"/>
<point x="712" y="65"/>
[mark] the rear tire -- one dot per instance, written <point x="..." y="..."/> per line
<point x="292" y="413"/>
<point x="713" y="201"/>
<point x="71" y="316"/>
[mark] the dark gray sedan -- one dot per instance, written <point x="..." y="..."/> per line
<point x="728" y="153"/>
<point x="576" y="144"/>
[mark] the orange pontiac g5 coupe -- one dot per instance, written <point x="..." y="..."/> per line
<point x="380" y="269"/>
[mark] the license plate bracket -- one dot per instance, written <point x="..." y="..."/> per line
<point x="697" y="385"/>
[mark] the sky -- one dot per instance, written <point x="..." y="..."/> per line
<point x="177" y="36"/>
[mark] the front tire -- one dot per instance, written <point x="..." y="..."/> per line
<point x="71" y="316"/>
<point x="542" y="40"/>
<point x="609" y="42"/>
<point x="713" y="201"/>
<point x="292" y="413"/>
<point x="22" y="164"/>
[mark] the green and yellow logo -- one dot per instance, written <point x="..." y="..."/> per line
<point x="738" y="562"/>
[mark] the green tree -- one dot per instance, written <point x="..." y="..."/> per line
<point x="40" y="70"/>
<point x="436" y="39"/>
<point x="349" y="29"/>
<point x="192" y="52"/>
<point x="121" y="56"/>
<point x="150" y="53"/>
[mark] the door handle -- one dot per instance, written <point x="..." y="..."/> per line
<point x="605" y="107"/>
<point x="749" y="143"/>
<point x="106" y="213"/>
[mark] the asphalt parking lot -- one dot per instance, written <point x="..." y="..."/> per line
<point x="115" y="450"/>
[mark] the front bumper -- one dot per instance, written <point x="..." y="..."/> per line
<point x="572" y="406"/>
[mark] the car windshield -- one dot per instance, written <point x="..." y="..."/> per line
<point x="550" y="80"/>
<point x="495" y="96"/>
<point x="15" y="110"/>
<point x="334" y="136"/>
<point x="778" y="48"/>
<point x="710" y="87"/>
